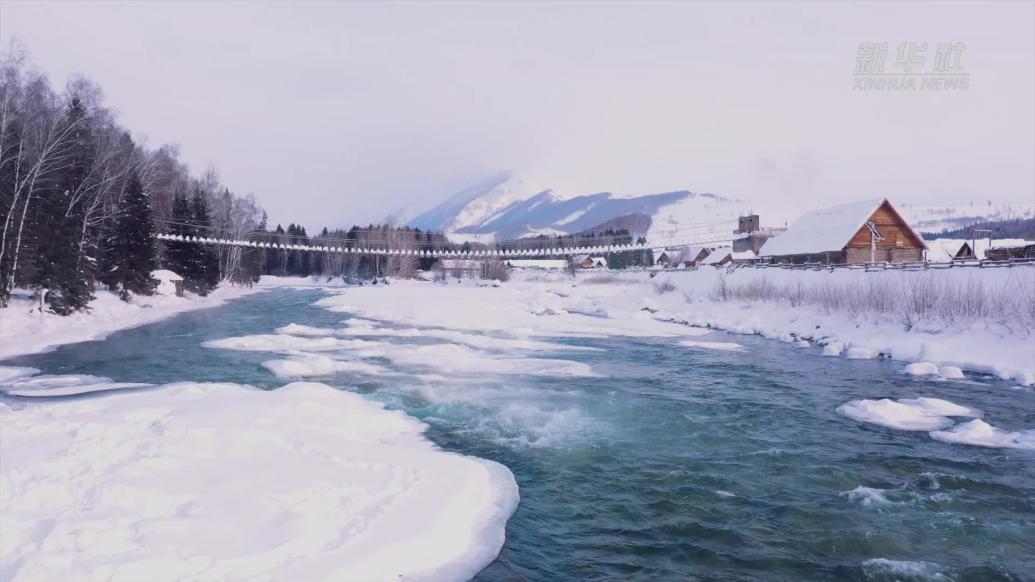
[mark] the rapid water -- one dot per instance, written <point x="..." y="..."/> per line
<point x="676" y="464"/>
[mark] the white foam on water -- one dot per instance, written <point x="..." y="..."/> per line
<point x="979" y="433"/>
<point x="177" y="482"/>
<point x="458" y="359"/>
<point x="305" y="330"/>
<point x="907" y="570"/>
<point x="724" y="494"/>
<point x="288" y="343"/>
<point x="721" y="346"/>
<point x="474" y="340"/>
<point x="304" y="366"/>
<point x="918" y="414"/>
<point x="868" y="496"/>
<point x="951" y="373"/>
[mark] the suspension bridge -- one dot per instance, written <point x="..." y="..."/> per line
<point x="413" y="249"/>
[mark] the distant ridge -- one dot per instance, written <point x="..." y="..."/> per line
<point x="505" y="207"/>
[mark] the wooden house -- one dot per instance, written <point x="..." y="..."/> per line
<point x="871" y="231"/>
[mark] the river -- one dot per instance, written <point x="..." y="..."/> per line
<point x="674" y="463"/>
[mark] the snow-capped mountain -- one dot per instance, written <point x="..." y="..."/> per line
<point x="936" y="219"/>
<point x="507" y="207"/>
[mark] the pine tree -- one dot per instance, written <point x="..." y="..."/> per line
<point x="63" y="274"/>
<point x="204" y="262"/>
<point x="177" y="256"/>
<point x="133" y="244"/>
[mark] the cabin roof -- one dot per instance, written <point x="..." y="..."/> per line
<point x="825" y="229"/>
<point x="717" y="255"/>
<point x="165" y="275"/>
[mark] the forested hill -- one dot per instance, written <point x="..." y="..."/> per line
<point x="1014" y="228"/>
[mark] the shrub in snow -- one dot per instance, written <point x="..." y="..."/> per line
<point x="938" y="297"/>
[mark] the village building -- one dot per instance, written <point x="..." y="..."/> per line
<point x="589" y="262"/>
<point x="1017" y="251"/>
<point x="167" y="282"/>
<point x="682" y="257"/>
<point x="870" y="231"/>
<point x="750" y="236"/>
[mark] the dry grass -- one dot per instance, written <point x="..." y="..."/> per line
<point x="913" y="298"/>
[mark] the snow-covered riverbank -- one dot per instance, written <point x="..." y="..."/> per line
<point x="635" y="304"/>
<point x="25" y="330"/>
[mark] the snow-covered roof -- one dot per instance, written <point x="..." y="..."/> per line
<point x="717" y="255"/>
<point x="743" y="255"/>
<point x="943" y="250"/>
<point x="826" y="229"/>
<point x="165" y="275"/>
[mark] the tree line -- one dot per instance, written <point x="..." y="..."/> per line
<point x="80" y="200"/>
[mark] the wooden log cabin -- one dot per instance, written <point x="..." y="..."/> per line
<point x="871" y="231"/>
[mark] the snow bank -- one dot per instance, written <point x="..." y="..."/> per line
<point x="925" y="414"/>
<point x="980" y="433"/>
<point x="219" y="481"/>
<point x="27" y="331"/>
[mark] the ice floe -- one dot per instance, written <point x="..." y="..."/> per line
<point x="860" y="353"/>
<point x="922" y="369"/>
<point x="979" y="433"/>
<point x="218" y="481"/>
<point x="921" y="414"/>
<point x="721" y="346"/>
<point x="288" y="343"/>
<point x="318" y="365"/>
<point x="28" y="383"/>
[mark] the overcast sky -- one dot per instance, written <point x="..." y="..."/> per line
<point x="334" y="113"/>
